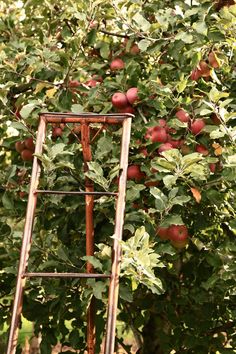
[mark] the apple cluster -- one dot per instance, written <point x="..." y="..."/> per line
<point x="25" y="148"/>
<point x="177" y="234"/>
<point x="123" y="102"/>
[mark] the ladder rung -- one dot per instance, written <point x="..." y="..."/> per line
<point x="73" y="192"/>
<point x="65" y="275"/>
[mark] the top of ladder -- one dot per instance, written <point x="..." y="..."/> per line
<point x="110" y="118"/>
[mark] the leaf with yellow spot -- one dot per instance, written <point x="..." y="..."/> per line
<point x="51" y="92"/>
<point x="196" y="194"/>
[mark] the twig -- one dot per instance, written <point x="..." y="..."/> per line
<point x="114" y="34"/>
<point x="34" y="79"/>
<point x="142" y="116"/>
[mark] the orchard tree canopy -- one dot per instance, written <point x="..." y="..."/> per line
<point x="172" y="64"/>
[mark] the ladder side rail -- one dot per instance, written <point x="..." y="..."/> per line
<point x="116" y="256"/>
<point x="26" y="241"/>
<point x="89" y="205"/>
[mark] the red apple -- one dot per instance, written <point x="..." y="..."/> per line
<point x="119" y="100"/>
<point x="162" y="123"/>
<point x="178" y="233"/>
<point x="151" y="183"/>
<point x="92" y="83"/>
<point x="215" y="119"/>
<point x="20" y="146"/>
<point x="134" y="50"/>
<point x="117" y="64"/>
<point x="212" y="167"/>
<point x="183" y="116"/>
<point x="143" y="151"/>
<point x="204" y="69"/>
<point x="176" y="143"/>
<point x="29" y="144"/>
<point x="163" y="232"/>
<point x="213" y="61"/>
<point x="74" y="83"/>
<point x="128" y="109"/>
<point x="202" y="150"/>
<point x="132" y="95"/>
<point x="185" y="149"/>
<point x="197" y="126"/>
<point x="159" y="135"/>
<point x="26" y="155"/>
<point x="195" y="75"/>
<point x="134" y="172"/>
<point x="56" y="132"/>
<point x="179" y="244"/>
<point x="164" y="147"/>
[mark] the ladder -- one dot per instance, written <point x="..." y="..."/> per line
<point x="84" y="120"/>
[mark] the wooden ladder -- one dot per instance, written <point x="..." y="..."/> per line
<point x="84" y="120"/>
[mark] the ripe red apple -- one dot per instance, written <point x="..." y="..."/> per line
<point x="163" y="232"/>
<point x="215" y="119"/>
<point x="185" y="149"/>
<point x="20" y="146"/>
<point x="29" y="144"/>
<point x="74" y="83"/>
<point x="179" y="244"/>
<point x="151" y="183"/>
<point x="119" y="100"/>
<point x="176" y="143"/>
<point x="56" y="132"/>
<point x="26" y="155"/>
<point x="117" y="64"/>
<point x="22" y="194"/>
<point x="164" y="147"/>
<point x="204" y="69"/>
<point x="178" y="233"/>
<point x="183" y="116"/>
<point x="157" y="134"/>
<point x="134" y="50"/>
<point x="134" y="172"/>
<point x="197" y="126"/>
<point x="213" y="61"/>
<point x="195" y="75"/>
<point x="92" y="83"/>
<point x="202" y="150"/>
<point x="143" y="151"/>
<point x="212" y="167"/>
<point x="132" y="95"/>
<point x="162" y="123"/>
<point x="128" y="109"/>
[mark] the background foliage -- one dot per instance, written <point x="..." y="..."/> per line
<point x="173" y="300"/>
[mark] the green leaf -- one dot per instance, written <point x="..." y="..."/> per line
<point x="173" y="219"/>
<point x="185" y="37"/>
<point x="105" y="50"/>
<point x="94" y="261"/>
<point x="200" y="27"/>
<point x="27" y="109"/>
<point x="142" y="23"/>
<point x="161" y="199"/>
<point x="169" y="181"/>
<point x="77" y="108"/>
<point x="144" y="44"/>
<point x="134" y="192"/>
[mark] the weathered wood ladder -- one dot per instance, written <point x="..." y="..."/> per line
<point x="84" y="120"/>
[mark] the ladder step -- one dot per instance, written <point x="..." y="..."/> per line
<point x="41" y="191"/>
<point x="65" y="275"/>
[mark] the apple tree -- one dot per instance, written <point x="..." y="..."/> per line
<point x="172" y="65"/>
